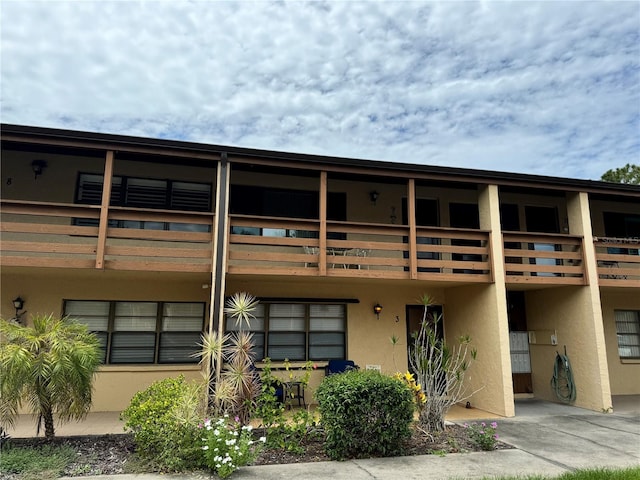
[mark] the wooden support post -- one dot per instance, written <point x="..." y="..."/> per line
<point x="104" y="210"/>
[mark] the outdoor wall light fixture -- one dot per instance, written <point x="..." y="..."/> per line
<point x="38" y="166"/>
<point x="377" y="309"/>
<point x="373" y="195"/>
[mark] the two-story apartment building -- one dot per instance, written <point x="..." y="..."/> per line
<point x="142" y="239"/>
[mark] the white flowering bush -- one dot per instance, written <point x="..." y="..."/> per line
<point x="228" y="445"/>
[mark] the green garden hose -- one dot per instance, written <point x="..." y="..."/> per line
<point x="562" y="380"/>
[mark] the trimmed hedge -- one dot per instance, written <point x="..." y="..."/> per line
<point x="364" y="414"/>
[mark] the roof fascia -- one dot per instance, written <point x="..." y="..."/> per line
<point x="100" y="141"/>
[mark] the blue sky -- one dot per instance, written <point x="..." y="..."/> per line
<point x="549" y="88"/>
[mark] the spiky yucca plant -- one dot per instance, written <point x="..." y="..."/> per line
<point x="50" y="367"/>
<point x="233" y="382"/>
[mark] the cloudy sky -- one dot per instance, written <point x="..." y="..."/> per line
<point x="550" y="88"/>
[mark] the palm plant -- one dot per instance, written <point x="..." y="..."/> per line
<point x="50" y="367"/>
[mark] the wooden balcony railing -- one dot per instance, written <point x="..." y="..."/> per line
<point x="618" y="261"/>
<point x="282" y="246"/>
<point x="543" y="258"/>
<point x="38" y="234"/>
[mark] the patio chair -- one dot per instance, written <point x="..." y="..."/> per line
<point x="356" y="252"/>
<point x="339" y="366"/>
<point x="310" y="251"/>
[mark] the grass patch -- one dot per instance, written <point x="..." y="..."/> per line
<point x="601" y="473"/>
<point x="632" y="473"/>
<point x="45" y="462"/>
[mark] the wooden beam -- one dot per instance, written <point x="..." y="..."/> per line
<point x="104" y="209"/>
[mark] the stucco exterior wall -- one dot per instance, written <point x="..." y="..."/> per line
<point x="474" y="311"/>
<point x="44" y="291"/>
<point x="368" y="338"/>
<point x="624" y="375"/>
<point x="567" y="312"/>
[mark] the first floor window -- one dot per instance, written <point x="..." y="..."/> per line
<point x="628" y="331"/>
<point x="296" y="331"/>
<point x="142" y="332"/>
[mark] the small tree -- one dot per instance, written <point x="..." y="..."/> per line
<point x="440" y="369"/>
<point x="50" y="366"/>
<point x="628" y="174"/>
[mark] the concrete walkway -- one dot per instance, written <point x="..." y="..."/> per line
<point x="550" y="439"/>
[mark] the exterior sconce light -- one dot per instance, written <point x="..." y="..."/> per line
<point x="377" y="309"/>
<point x="18" y="304"/>
<point x="38" y="166"/>
<point x="373" y="195"/>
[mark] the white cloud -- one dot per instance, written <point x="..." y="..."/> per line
<point x="540" y="87"/>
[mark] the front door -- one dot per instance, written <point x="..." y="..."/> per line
<point x="414" y="320"/>
<point x="519" y="343"/>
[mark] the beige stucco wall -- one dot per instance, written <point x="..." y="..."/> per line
<point x="45" y="289"/>
<point x="474" y="311"/>
<point x="624" y="375"/>
<point x="368" y="338"/>
<point x="568" y="313"/>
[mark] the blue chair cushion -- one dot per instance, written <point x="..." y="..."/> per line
<point x="340" y="366"/>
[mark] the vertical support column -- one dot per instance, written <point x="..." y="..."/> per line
<point x="587" y="349"/>
<point x="219" y="250"/>
<point x="104" y="210"/>
<point x="496" y="330"/>
<point x="322" y="234"/>
<point x="411" y="213"/>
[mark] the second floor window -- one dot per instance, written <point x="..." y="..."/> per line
<point x="146" y="193"/>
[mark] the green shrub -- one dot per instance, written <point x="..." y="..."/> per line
<point x="165" y="435"/>
<point x="364" y="414"/>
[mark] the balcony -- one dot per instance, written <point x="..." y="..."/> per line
<point x="37" y="234"/>
<point x="618" y="261"/>
<point x="543" y="259"/>
<point x="284" y="246"/>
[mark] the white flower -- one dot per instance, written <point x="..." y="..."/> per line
<point x="263" y="439"/>
<point x="216" y="432"/>
<point x="206" y="447"/>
